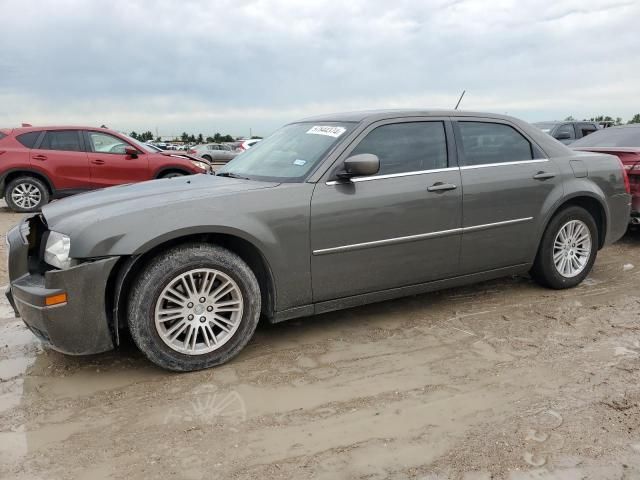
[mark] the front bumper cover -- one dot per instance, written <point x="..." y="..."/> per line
<point x="79" y="326"/>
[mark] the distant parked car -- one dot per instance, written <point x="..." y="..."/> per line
<point x="568" y="132"/>
<point x="153" y="147"/>
<point x="247" y="144"/>
<point x="214" y="152"/>
<point x="39" y="164"/>
<point x="624" y="142"/>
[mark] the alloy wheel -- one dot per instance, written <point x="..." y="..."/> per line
<point x="198" y="311"/>
<point x="26" y="195"/>
<point x="572" y="248"/>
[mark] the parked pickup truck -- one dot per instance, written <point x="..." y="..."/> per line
<point x="568" y="132"/>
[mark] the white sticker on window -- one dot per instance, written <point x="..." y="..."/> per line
<point x="329" y="131"/>
<point x="299" y="162"/>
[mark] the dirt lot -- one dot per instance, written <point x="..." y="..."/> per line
<point x="499" y="380"/>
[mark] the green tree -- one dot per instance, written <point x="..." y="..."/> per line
<point x="134" y="135"/>
<point x="146" y="136"/>
<point x="199" y="139"/>
<point x="210" y="139"/>
<point x="570" y="119"/>
<point x="635" y="119"/>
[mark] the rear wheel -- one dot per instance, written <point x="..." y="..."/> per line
<point x="194" y="307"/>
<point x="568" y="249"/>
<point x="26" y="194"/>
<point x="207" y="157"/>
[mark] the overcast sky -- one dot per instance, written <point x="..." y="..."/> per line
<point x="207" y="66"/>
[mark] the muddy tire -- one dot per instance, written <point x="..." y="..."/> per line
<point x="26" y="194"/>
<point x="193" y="307"/>
<point x="568" y="249"/>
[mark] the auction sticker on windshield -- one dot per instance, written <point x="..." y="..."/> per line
<point x="326" y="130"/>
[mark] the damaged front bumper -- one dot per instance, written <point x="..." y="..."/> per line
<point x="77" y="326"/>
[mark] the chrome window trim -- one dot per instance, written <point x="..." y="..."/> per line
<point x="412" y="238"/>
<point x="519" y="162"/>
<point x="395" y="175"/>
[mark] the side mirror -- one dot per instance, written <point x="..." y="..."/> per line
<point x="130" y="151"/>
<point x="562" y="136"/>
<point x="361" y="165"/>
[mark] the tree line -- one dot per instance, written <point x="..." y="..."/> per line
<point x="607" y="118"/>
<point x="186" y="137"/>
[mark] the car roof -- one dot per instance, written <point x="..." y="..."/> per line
<point x="19" y="130"/>
<point x="630" y="125"/>
<point x="558" y="122"/>
<point x="374" y="115"/>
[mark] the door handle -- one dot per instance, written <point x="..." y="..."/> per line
<point x="95" y="161"/>
<point x="39" y="157"/>
<point x="441" y="187"/>
<point x="543" y="176"/>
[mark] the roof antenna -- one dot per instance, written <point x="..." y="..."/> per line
<point x="460" y="99"/>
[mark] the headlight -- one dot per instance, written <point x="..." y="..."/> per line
<point x="202" y="165"/>
<point x="56" y="253"/>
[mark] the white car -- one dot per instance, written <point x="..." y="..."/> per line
<point x="247" y="144"/>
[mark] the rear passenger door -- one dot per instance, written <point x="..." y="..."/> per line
<point x="506" y="182"/>
<point x="60" y="154"/>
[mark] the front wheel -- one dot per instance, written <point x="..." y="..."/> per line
<point x="568" y="249"/>
<point x="194" y="307"/>
<point x="173" y="175"/>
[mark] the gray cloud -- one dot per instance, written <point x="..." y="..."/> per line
<point x="231" y="65"/>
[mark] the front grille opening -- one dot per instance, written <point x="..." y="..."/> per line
<point x="37" y="238"/>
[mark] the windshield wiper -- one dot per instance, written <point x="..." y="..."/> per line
<point x="231" y="175"/>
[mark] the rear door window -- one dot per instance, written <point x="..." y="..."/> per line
<point x="586" y="129"/>
<point x="28" y="139"/>
<point x="65" y="140"/>
<point x="485" y="142"/>
<point x="566" y="128"/>
<point x="406" y="147"/>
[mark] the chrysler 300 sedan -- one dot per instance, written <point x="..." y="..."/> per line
<point x="327" y="213"/>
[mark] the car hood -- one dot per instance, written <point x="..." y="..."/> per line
<point x="91" y="207"/>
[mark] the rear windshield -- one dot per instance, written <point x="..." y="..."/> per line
<point x="28" y="139"/>
<point x="628" y="137"/>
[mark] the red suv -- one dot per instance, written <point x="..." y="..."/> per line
<point x="39" y="164"/>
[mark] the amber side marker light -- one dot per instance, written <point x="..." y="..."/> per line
<point x="55" y="299"/>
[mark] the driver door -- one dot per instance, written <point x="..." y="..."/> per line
<point x="110" y="165"/>
<point x="397" y="228"/>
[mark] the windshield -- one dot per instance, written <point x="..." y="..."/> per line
<point x="288" y="155"/>
<point x="611" y="137"/>
<point x="142" y="146"/>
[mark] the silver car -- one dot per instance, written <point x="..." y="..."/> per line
<point x="214" y="152"/>
<point x="327" y="213"/>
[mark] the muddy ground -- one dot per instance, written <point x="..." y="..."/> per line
<point x="499" y="380"/>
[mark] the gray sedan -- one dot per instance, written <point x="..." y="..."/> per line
<point x="327" y="213"/>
